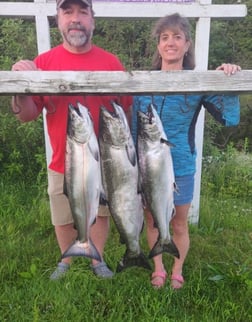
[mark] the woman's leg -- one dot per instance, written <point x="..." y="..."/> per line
<point x="181" y="239"/>
<point x="159" y="274"/>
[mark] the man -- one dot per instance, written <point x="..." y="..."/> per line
<point x="76" y="24"/>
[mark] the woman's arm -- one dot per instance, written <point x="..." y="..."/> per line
<point x="224" y="108"/>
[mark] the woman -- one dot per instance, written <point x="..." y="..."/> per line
<point x="179" y="115"/>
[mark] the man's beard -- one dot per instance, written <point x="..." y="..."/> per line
<point x="77" y="39"/>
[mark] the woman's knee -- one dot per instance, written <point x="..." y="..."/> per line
<point x="179" y="226"/>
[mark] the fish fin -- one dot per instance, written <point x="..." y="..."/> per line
<point x="142" y="229"/>
<point x="65" y="187"/>
<point x="155" y="225"/>
<point x="87" y="249"/>
<point x="167" y="142"/>
<point x="93" y="148"/>
<point x="144" y="202"/>
<point x="140" y="189"/>
<point x="122" y="241"/>
<point x="140" y="261"/>
<point x="173" y="212"/>
<point x="176" y="188"/>
<point x="169" y="248"/>
<point x="103" y="200"/>
<point x="93" y="222"/>
<point x="139" y="182"/>
<point x="131" y="153"/>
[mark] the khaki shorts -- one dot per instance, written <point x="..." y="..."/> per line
<point x="60" y="208"/>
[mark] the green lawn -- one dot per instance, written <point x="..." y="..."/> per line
<point x="218" y="269"/>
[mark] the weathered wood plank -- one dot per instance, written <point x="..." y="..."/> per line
<point x="135" y="82"/>
<point x="129" y="10"/>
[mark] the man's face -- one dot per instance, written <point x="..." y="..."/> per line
<point x="76" y="24"/>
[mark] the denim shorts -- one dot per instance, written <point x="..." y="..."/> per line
<point x="185" y="187"/>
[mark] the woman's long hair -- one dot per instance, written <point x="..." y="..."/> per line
<point x="174" y="22"/>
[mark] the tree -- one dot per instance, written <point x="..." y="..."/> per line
<point x="22" y="146"/>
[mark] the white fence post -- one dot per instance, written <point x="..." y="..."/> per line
<point x="202" y="36"/>
<point x="44" y="44"/>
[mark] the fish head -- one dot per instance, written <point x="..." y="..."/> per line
<point x="80" y="124"/>
<point x="146" y="126"/>
<point x="150" y="126"/>
<point x="153" y="114"/>
<point x="118" y="110"/>
<point x="112" y="128"/>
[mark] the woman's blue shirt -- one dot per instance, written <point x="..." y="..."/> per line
<point x="179" y="114"/>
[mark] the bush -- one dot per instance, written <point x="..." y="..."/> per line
<point x="228" y="173"/>
<point x="22" y="154"/>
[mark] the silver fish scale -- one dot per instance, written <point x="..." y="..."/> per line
<point x="120" y="179"/>
<point x="157" y="183"/>
<point x="157" y="177"/>
<point x="82" y="178"/>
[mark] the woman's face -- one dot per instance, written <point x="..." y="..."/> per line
<point x="172" y="47"/>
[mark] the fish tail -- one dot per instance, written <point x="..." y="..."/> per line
<point x="87" y="249"/>
<point x="127" y="261"/>
<point x="168" y="247"/>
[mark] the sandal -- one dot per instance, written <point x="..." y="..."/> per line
<point x="158" y="279"/>
<point x="177" y="281"/>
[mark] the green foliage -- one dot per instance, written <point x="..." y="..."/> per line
<point x="220" y="136"/>
<point x="128" y="39"/>
<point x="242" y="45"/>
<point x="228" y="173"/>
<point x="230" y="40"/>
<point x="14" y="33"/>
<point x="22" y="152"/>
<point x="220" y="51"/>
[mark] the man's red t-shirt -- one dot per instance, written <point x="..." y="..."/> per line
<point x="59" y="59"/>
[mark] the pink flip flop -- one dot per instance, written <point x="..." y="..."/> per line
<point x="179" y="281"/>
<point x="158" y="279"/>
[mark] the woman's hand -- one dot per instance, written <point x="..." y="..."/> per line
<point x="229" y="69"/>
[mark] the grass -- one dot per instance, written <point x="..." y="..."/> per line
<point x="218" y="269"/>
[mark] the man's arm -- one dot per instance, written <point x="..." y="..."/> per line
<point x="23" y="106"/>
